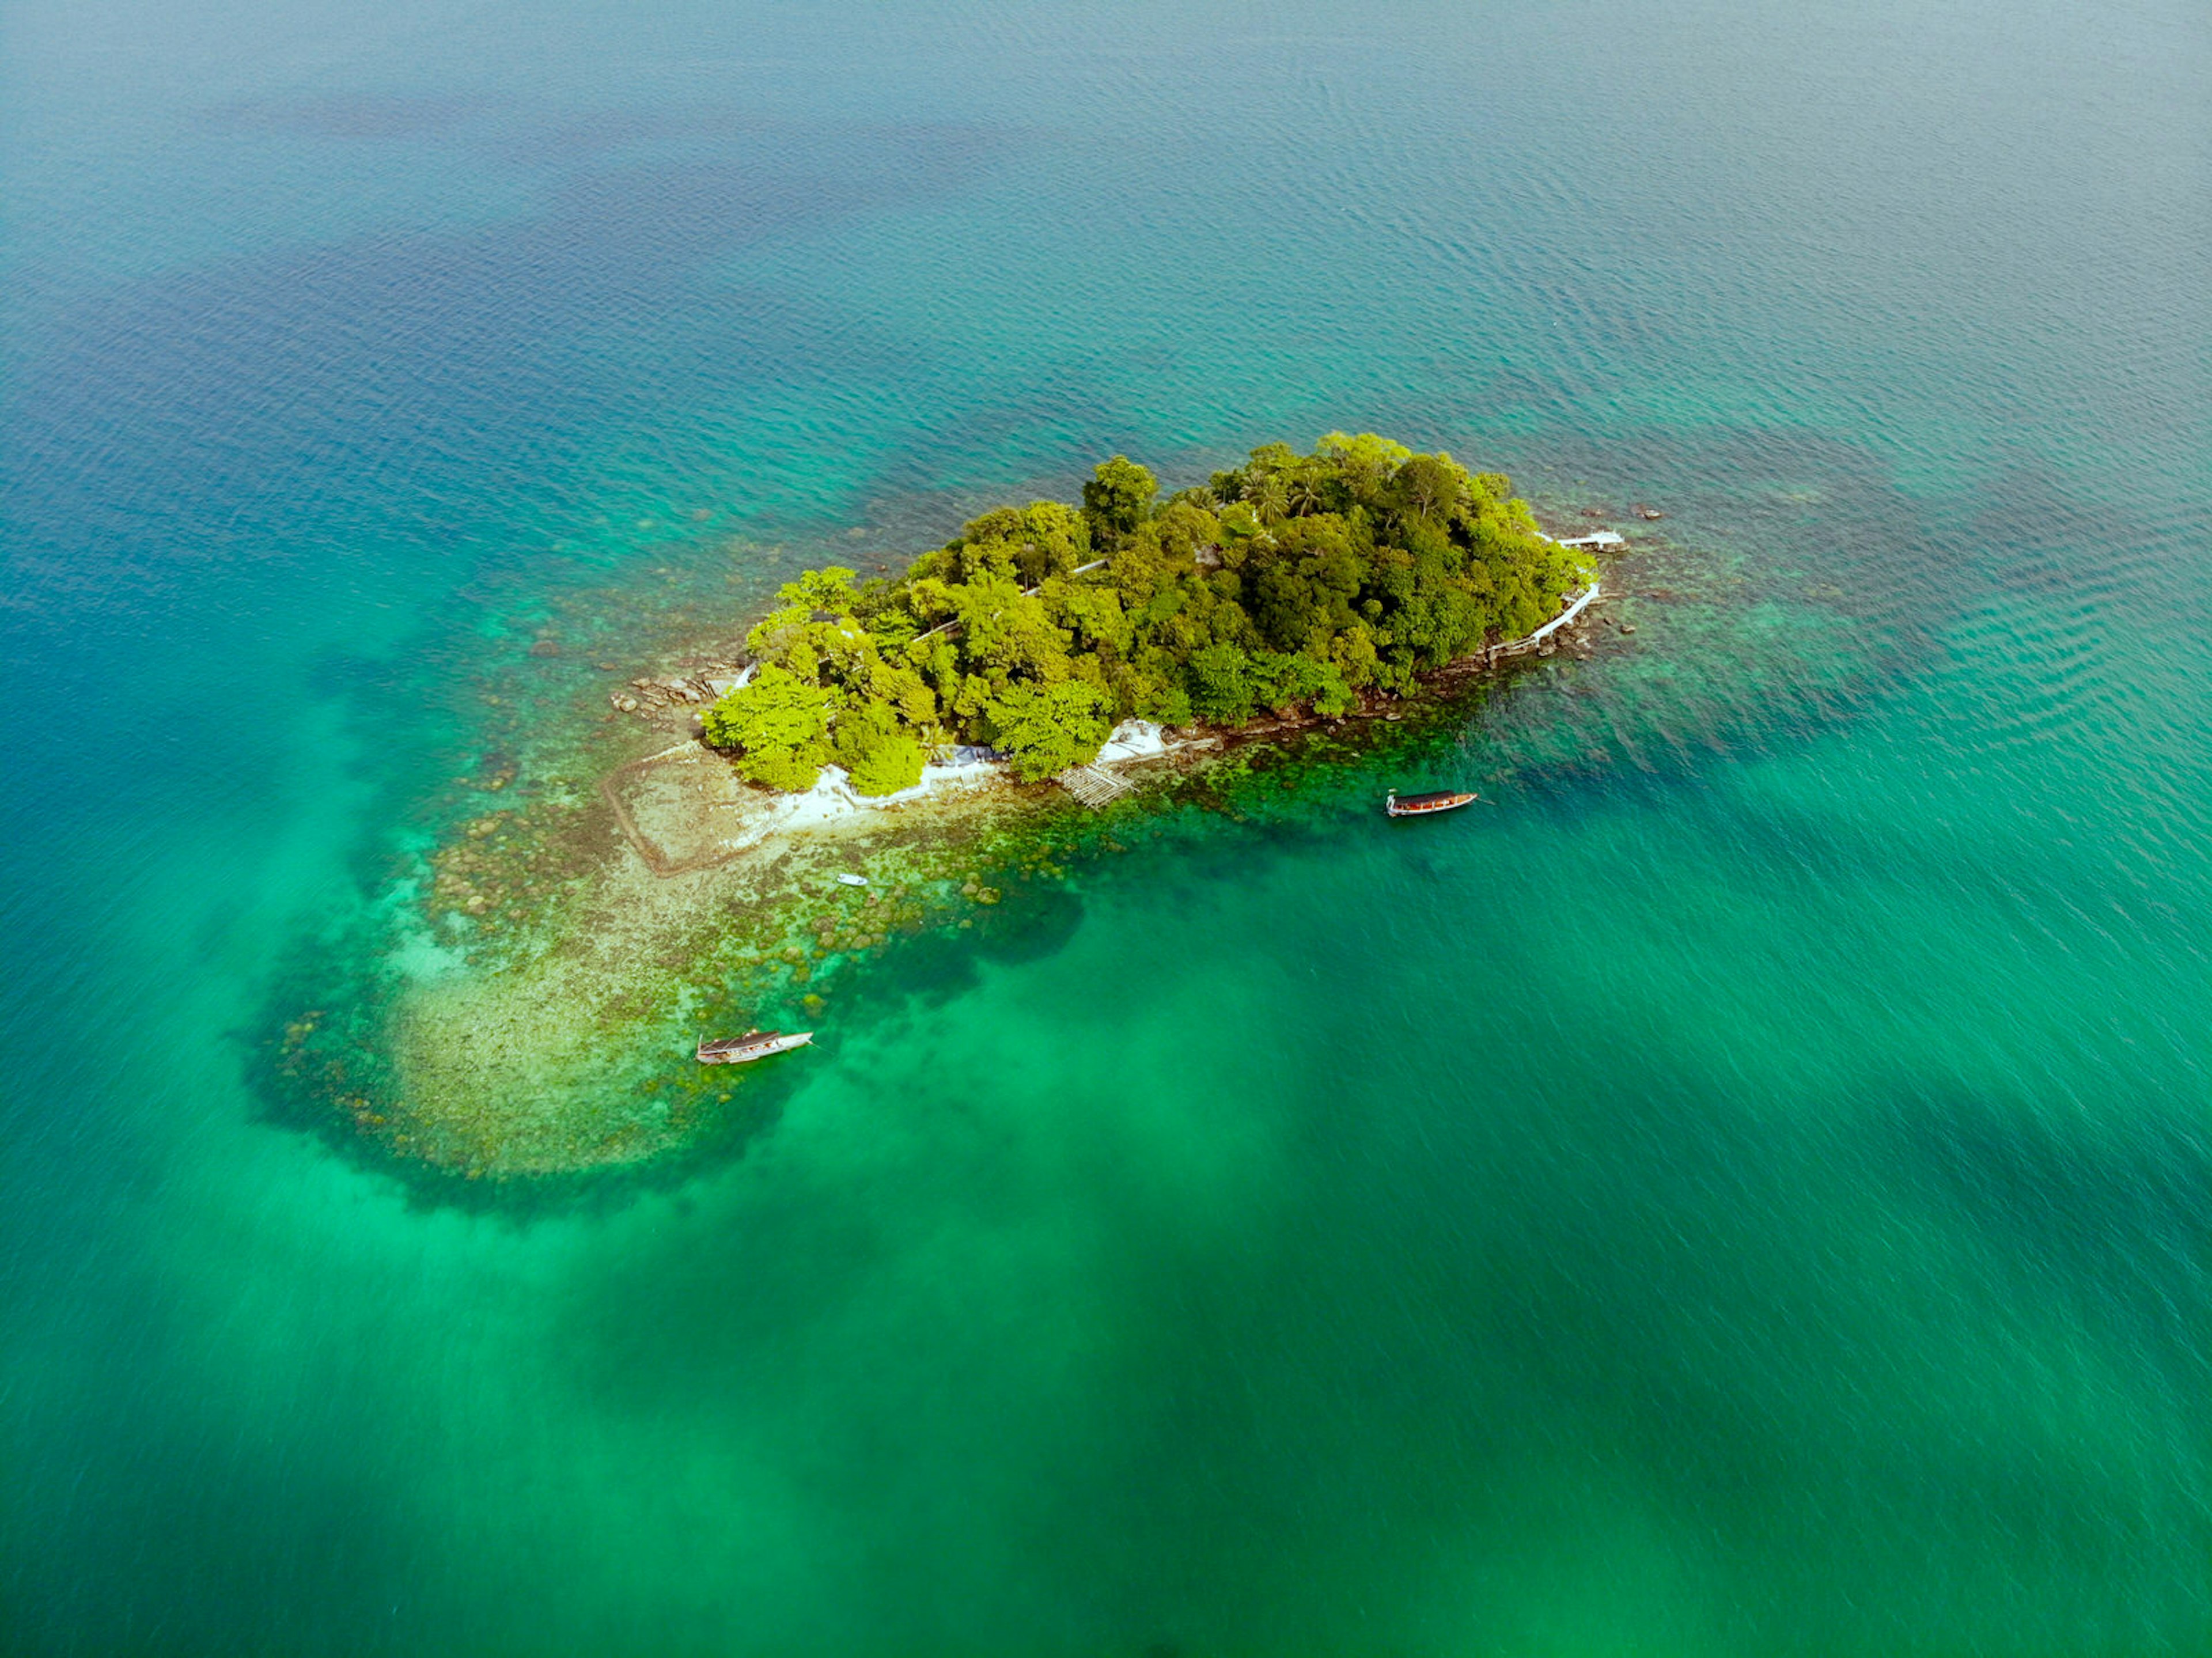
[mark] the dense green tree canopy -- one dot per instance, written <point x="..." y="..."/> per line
<point x="778" y="722"/>
<point x="1291" y="582"/>
<point x="1045" y="729"/>
<point x="1119" y="497"/>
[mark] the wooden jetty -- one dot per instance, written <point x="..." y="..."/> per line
<point x="1566" y="616"/>
<point x="1093" y="785"/>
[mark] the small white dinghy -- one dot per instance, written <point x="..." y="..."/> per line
<point x="753" y="1045"/>
<point x="853" y="880"/>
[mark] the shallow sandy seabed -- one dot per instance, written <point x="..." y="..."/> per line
<point x="542" y="1055"/>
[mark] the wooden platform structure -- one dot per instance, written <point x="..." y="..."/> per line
<point x="1093" y="785"/>
<point x="1535" y="640"/>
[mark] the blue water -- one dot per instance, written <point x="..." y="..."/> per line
<point x="1747" y="1193"/>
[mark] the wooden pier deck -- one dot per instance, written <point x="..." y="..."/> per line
<point x="1093" y="785"/>
<point x="1535" y="640"/>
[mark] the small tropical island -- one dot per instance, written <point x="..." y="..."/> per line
<point x="568" y="950"/>
<point x="1295" y="585"/>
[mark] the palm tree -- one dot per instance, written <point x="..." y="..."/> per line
<point x="1268" y="497"/>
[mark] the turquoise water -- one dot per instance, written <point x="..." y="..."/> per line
<point x="1748" y="1191"/>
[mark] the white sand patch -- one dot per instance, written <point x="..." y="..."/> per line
<point x="833" y="795"/>
<point x="1135" y="739"/>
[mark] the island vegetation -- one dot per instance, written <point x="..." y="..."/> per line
<point x="1291" y="584"/>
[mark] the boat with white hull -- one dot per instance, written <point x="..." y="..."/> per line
<point x="1422" y="806"/>
<point x="753" y="1045"/>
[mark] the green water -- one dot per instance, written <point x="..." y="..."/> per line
<point x="1745" y="1189"/>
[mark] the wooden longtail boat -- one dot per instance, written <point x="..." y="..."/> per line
<point x="753" y="1045"/>
<point x="1420" y="805"/>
